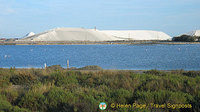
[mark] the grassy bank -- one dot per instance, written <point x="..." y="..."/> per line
<point x="56" y="89"/>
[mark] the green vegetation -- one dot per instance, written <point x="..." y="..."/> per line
<point x="186" y="38"/>
<point x="61" y="90"/>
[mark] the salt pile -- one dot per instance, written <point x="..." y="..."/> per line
<point x="29" y="34"/>
<point x="194" y="33"/>
<point x="138" y="34"/>
<point x="81" y="34"/>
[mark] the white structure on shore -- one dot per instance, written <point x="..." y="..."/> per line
<point x="194" y="33"/>
<point x="81" y="34"/>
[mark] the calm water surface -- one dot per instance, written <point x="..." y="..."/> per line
<point x="134" y="57"/>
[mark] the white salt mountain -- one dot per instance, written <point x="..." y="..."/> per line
<point x="29" y="34"/>
<point x="81" y="34"/>
<point x="194" y="33"/>
<point x="71" y="34"/>
<point x="138" y="34"/>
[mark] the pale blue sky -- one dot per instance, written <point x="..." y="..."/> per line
<point x="18" y="17"/>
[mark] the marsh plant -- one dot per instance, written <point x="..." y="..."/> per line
<point x="50" y="90"/>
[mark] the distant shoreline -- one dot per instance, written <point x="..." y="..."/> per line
<point x="93" y="42"/>
<point x="92" y="68"/>
<point x="97" y="70"/>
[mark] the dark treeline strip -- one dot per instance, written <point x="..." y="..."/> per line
<point x="61" y="90"/>
<point x="186" y="38"/>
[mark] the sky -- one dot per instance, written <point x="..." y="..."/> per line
<point x="174" y="17"/>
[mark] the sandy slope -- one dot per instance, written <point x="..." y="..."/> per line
<point x="138" y="34"/>
<point x="81" y="34"/>
<point x="72" y="34"/>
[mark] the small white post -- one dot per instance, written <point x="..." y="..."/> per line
<point x="45" y="65"/>
<point x="67" y="64"/>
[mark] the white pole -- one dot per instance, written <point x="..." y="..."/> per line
<point x="45" y="65"/>
<point x="67" y="63"/>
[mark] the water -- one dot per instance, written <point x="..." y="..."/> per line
<point x="133" y="57"/>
